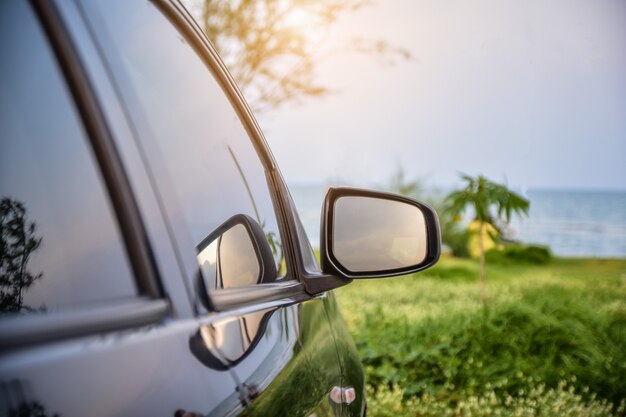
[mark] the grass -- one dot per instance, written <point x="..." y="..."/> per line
<point x="551" y="335"/>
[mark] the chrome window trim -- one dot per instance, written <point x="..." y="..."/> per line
<point x="231" y="298"/>
<point x="39" y="328"/>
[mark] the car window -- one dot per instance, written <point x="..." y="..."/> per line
<point x="203" y="162"/>
<point x="60" y="245"/>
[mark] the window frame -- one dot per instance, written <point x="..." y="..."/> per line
<point x="148" y="306"/>
<point x="223" y="299"/>
<point x="308" y="283"/>
<point x="291" y="287"/>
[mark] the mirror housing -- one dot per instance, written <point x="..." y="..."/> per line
<point x="370" y="234"/>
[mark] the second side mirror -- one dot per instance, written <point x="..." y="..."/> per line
<point x="369" y="234"/>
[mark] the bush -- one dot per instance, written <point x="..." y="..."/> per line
<point x="430" y="335"/>
<point x="531" y="254"/>
<point x="562" y="401"/>
<point x="547" y="335"/>
<point x="453" y="272"/>
<point x="457" y="240"/>
<point x="453" y="234"/>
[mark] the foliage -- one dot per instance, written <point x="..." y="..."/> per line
<point x="483" y="195"/>
<point x="18" y="241"/>
<point x="271" y="55"/>
<point x="562" y="401"/>
<point x="565" y="321"/>
<point x="516" y="253"/>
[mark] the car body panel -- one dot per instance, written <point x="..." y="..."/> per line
<point x="144" y="371"/>
<point x="291" y="368"/>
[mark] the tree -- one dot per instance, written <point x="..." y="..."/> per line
<point x="269" y="50"/>
<point x="17" y="242"/>
<point x="483" y="195"/>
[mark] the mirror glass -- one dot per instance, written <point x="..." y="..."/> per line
<point x="376" y="234"/>
<point x="230" y="260"/>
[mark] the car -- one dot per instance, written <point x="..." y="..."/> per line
<point x="153" y="262"/>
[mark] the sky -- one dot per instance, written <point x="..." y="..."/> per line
<point x="531" y="93"/>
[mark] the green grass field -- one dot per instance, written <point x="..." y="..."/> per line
<point x="552" y="340"/>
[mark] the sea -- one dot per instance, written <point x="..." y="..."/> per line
<point x="573" y="223"/>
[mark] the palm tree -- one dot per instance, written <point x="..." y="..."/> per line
<point x="483" y="196"/>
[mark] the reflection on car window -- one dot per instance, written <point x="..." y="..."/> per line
<point x="204" y="164"/>
<point x="59" y="243"/>
<point x="219" y="267"/>
<point x="236" y="254"/>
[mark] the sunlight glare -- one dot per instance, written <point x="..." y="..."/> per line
<point x="306" y="22"/>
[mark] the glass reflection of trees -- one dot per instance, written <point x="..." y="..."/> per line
<point x="18" y="241"/>
<point x="29" y="409"/>
<point x="17" y="400"/>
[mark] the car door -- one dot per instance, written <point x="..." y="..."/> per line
<point x="223" y="201"/>
<point x="86" y="328"/>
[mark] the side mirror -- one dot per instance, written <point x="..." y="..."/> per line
<point x="369" y="234"/>
<point x="236" y="254"/>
